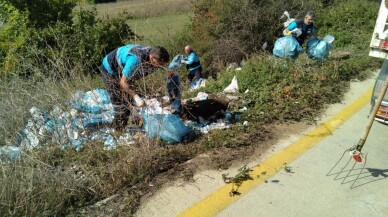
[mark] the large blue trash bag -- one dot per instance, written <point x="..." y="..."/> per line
<point x="318" y="49"/>
<point x="176" y="62"/>
<point x="169" y="127"/>
<point x="287" y="47"/>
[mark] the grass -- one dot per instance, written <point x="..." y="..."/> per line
<point x="141" y="8"/>
<point x="165" y="25"/>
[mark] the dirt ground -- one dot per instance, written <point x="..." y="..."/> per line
<point x="209" y="165"/>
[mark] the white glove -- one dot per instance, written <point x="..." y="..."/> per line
<point x="138" y="101"/>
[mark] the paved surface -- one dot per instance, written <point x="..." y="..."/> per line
<point x="309" y="192"/>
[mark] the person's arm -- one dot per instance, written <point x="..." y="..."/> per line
<point x="290" y="27"/>
<point x="190" y="59"/>
<point x="126" y="87"/>
<point x="131" y="65"/>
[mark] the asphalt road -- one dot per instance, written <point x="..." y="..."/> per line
<point x="309" y="191"/>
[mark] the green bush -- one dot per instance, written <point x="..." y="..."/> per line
<point x="233" y="30"/>
<point x="65" y="47"/>
<point x="13" y="32"/>
<point x="42" y="13"/>
<point x="349" y="22"/>
<point x="286" y="90"/>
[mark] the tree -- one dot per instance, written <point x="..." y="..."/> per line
<point x="42" y="13"/>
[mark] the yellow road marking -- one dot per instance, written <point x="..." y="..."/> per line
<point x="220" y="199"/>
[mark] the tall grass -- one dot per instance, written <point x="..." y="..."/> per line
<point x="18" y="95"/>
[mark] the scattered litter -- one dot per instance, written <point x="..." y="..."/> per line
<point x="246" y="91"/>
<point x="232" y="66"/>
<point x="232" y="98"/>
<point x="220" y="124"/>
<point x="233" y="86"/>
<point x="10" y="152"/>
<point x="245" y="123"/>
<point x="243" y="109"/>
<point x="238" y="69"/>
<point x="200" y="96"/>
<point x="198" y="84"/>
<point x="228" y="116"/>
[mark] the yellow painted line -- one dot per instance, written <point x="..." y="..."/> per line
<point x="220" y="199"/>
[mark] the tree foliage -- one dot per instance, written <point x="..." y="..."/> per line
<point x="56" y="43"/>
<point x="42" y="13"/>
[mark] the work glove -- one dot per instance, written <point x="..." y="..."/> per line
<point x="139" y="102"/>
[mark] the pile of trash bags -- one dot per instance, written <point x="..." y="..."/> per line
<point x="89" y="115"/>
<point x="85" y="120"/>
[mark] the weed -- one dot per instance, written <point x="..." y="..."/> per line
<point x="238" y="179"/>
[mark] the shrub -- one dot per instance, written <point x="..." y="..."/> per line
<point x="349" y="23"/>
<point x="236" y="29"/>
<point x="64" y="47"/>
<point x="42" y="13"/>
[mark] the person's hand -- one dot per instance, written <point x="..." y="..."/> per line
<point x="168" y="74"/>
<point x="138" y="101"/>
<point x="183" y="61"/>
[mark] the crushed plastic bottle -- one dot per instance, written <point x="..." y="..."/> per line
<point x="10" y="152"/>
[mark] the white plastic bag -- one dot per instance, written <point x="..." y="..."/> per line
<point x="233" y="86"/>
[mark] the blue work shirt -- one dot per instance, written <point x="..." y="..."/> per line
<point x="192" y="61"/>
<point x="306" y="29"/>
<point x="128" y="60"/>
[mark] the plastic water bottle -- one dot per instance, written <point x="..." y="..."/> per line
<point x="228" y="116"/>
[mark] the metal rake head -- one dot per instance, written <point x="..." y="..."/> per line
<point x="357" y="156"/>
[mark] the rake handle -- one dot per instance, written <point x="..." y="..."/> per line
<point x="372" y="116"/>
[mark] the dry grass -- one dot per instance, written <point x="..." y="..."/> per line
<point x="142" y="8"/>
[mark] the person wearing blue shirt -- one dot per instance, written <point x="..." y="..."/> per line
<point x="192" y="64"/>
<point x="124" y="65"/>
<point x="306" y="26"/>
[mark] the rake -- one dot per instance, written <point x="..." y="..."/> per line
<point x="355" y="150"/>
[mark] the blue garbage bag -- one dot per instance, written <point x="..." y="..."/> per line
<point x="318" y="49"/>
<point x="287" y="47"/>
<point x="169" y="127"/>
<point x="176" y="62"/>
<point x="95" y="102"/>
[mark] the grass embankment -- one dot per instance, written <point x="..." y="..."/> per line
<point x="52" y="181"/>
